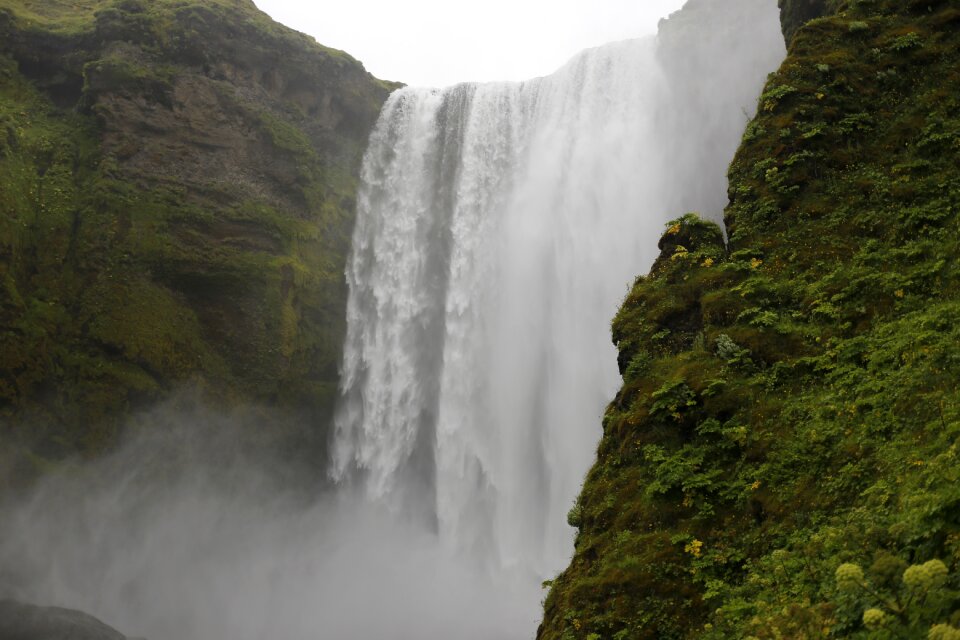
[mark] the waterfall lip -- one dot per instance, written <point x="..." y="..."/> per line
<point x="572" y="60"/>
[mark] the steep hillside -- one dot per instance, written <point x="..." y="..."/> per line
<point x="176" y="193"/>
<point x="781" y="461"/>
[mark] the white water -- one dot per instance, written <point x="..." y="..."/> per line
<point x="499" y="226"/>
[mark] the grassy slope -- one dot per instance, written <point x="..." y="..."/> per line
<point x="122" y="279"/>
<point x="790" y="402"/>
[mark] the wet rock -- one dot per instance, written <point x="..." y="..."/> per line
<point x="27" y="622"/>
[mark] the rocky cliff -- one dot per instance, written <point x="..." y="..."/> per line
<point x="176" y="197"/>
<point x="781" y="461"/>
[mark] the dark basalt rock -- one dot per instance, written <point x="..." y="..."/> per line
<point x="27" y="622"/>
<point x="795" y="13"/>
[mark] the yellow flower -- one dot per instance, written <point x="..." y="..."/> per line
<point x="708" y="262"/>
<point x="874" y="618"/>
<point x="755" y="262"/>
<point x="674" y="230"/>
<point x="694" y="548"/>
<point x="944" y="632"/>
<point x="849" y="576"/>
<point x="923" y="577"/>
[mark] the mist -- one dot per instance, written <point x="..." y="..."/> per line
<point x="183" y="533"/>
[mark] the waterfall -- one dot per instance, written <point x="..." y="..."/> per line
<point x="477" y="359"/>
<point x="499" y="226"/>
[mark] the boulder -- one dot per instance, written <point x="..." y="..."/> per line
<point x="27" y="622"/>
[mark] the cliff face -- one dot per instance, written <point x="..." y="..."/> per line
<point x="177" y="194"/>
<point x="781" y="461"/>
<point x="795" y="13"/>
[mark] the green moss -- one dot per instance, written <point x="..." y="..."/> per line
<point x="125" y="276"/>
<point x="60" y="15"/>
<point x="794" y="405"/>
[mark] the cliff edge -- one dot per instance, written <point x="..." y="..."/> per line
<point x="781" y="461"/>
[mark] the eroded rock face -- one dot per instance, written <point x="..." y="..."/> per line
<point x="232" y="107"/>
<point x="795" y="13"/>
<point x="26" y="622"/>
<point x="179" y="183"/>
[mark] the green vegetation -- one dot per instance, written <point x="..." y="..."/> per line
<point x="782" y="460"/>
<point x="177" y="195"/>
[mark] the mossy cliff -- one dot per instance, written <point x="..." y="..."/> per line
<point x="176" y="194"/>
<point x="782" y="460"/>
<point x="796" y="13"/>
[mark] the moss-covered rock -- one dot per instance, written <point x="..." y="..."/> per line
<point x="796" y="13"/>
<point x="177" y="196"/>
<point x="790" y="402"/>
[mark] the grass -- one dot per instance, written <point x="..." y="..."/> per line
<point x="790" y="401"/>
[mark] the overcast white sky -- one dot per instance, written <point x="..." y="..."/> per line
<point x="441" y="42"/>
